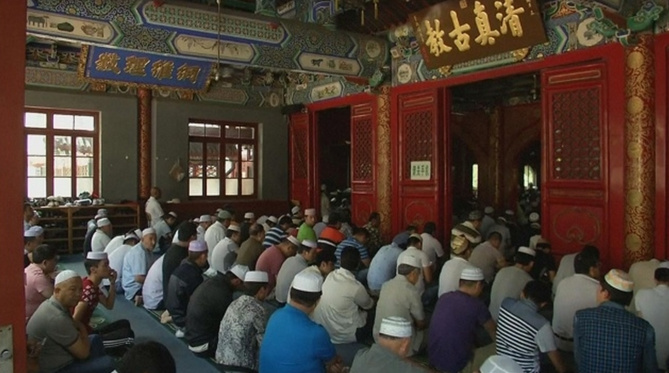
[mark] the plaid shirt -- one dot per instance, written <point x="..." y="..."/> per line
<point x="610" y="339"/>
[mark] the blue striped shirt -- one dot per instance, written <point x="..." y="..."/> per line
<point x="350" y="242"/>
<point x="274" y="237"/>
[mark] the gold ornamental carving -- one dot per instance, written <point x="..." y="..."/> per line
<point x="383" y="169"/>
<point x="144" y="102"/>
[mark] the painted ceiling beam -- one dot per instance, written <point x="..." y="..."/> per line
<point x="250" y="40"/>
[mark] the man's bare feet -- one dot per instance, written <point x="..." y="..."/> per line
<point x="138" y="300"/>
<point x="165" y="317"/>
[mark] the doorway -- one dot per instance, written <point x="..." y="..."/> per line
<point x="334" y="154"/>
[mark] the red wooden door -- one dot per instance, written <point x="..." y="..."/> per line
<point x="575" y="188"/>
<point x="302" y="164"/>
<point x="363" y="161"/>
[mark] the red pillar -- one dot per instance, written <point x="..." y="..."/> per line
<point x="144" y="120"/>
<point x="12" y="151"/>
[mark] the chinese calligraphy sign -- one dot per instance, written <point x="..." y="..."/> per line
<point x="458" y="31"/>
<point x="421" y="170"/>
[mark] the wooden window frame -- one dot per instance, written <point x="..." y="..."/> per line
<point x="51" y="133"/>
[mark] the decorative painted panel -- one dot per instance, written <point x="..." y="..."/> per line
<point x="301" y="188"/>
<point x="363" y="159"/>
<point x="418" y="132"/>
<point x="573" y="226"/>
<point x="363" y="151"/>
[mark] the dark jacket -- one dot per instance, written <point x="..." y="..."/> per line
<point x="183" y="282"/>
<point x="206" y="310"/>
<point x="173" y="258"/>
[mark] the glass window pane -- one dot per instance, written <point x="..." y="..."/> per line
<point x="84" y="185"/>
<point x="62" y="166"/>
<point x="247" y="161"/>
<point x="62" y="145"/>
<point x="63" y="122"/>
<point x="239" y="132"/>
<point x="231" y="160"/>
<point x="213" y="130"/>
<point x="37" y="187"/>
<point x="196" y="129"/>
<point x="213" y="156"/>
<point x="36" y="145"/>
<point x="213" y="187"/>
<point x="35" y="120"/>
<point x="231" y="187"/>
<point x="84" y="167"/>
<point x="84" y="123"/>
<point x="62" y="186"/>
<point x="195" y="187"/>
<point x="247" y="187"/>
<point x="85" y="146"/>
<point x="37" y="166"/>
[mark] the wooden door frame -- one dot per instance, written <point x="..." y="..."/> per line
<point x="661" y="44"/>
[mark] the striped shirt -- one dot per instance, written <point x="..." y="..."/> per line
<point x="522" y="333"/>
<point x="350" y="242"/>
<point x="274" y="237"/>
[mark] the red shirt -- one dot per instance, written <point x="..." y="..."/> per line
<point x="91" y="295"/>
<point x="270" y="261"/>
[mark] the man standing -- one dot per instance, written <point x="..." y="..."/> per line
<point x="38" y="281"/>
<point x="488" y="257"/>
<point x="243" y="326"/>
<point x="152" y="208"/>
<point x="136" y="265"/>
<point x="67" y="345"/>
<point x="510" y="281"/>
<point x="306" y="253"/>
<point x="652" y="305"/>
<point x="306" y="230"/>
<point x="251" y="249"/>
<point x="184" y="280"/>
<point x="225" y="252"/>
<point x="608" y="338"/>
<point x="177" y="252"/>
<point x="277" y="233"/>
<point x="374" y="243"/>
<point x="102" y="235"/>
<point x="272" y="258"/>
<point x="216" y="232"/>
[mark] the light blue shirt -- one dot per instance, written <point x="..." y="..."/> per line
<point x="135" y="263"/>
<point x="382" y="268"/>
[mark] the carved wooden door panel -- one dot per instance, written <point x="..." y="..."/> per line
<point x="575" y="175"/>
<point x="363" y="160"/>
<point x="301" y="160"/>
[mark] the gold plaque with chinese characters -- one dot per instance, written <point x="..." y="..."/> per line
<point x="458" y="31"/>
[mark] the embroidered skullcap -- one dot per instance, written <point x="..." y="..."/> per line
<point x="309" y="244"/>
<point x="410" y="261"/>
<point x="34" y="231"/>
<point x="534" y="217"/>
<point x="273" y="219"/>
<point x="172" y="214"/>
<point x="500" y="364"/>
<point x="416" y="235"/>
<point x="256" y="276"/>
<point x="308" y="282"/>
<point x="527" y="250"/>
<point x="148" y="231"/>
<point x="471" y="273"/>
<point x="475" y="215"/>
<point x="310" y="212"/>
<point x="103" y="222"/>
<point x="197" y="246"/>
<point x="233" y="227"/>
<point x="664" y="264"/>
<point x="223" y="214"/>
<point x="293" y="240"/>
<point x="620" y="280"/>
<point x="239" y="271"/>
<point x="467" y="229"/>
<point x="295" y="210"/>
<point x="249" y="215"/>
<point x="459" y="244"/>
<point x="65" y="275"/>
<point x="96" y="255"/>
<point x="489" y="210"/>
<point x="395" y="326"/>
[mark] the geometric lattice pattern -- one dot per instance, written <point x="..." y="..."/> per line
<point x="418" y="144"/>
<point x="577" y="134"/>
<point x="299" y="152"/>
<point x="363" y="151"/>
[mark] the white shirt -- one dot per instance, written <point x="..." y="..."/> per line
<point x="339" y="310"/>
<point x="154" y="209"/>
<point x="152" y="290"/>
<point x="219" y="256"/>
<point x="449" y="279"/>
<point x="311" y="269"/>
<point x="213" y="236"/>
<point x="424" y="261"/>
<point x="565" y="269"/>
<point x="509" y="283"/>
<point x="653" y="306"/>
<point x="99" y="241"/>
<point x="643" y="274"/>
<point x="200" y="233"/>
<point x="485" y="256"/>
<point x="432" y="247"/>
<point x="116" y="260"/>
<point x="114" y="244"/>
<point x="574" y="293"/>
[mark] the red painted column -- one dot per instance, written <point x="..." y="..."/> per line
<point x="144" y="126"/>
<point x="12" y="151"/>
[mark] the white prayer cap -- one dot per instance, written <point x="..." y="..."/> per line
<point x="308" y="282"/>
<point x="310" y="212"/>
<point x="664" y="264"/>
<point x="256" y="276"/>
<point x="326" y="219"/>
<point x="620" y="280"/>
<point x="409" y="260"/>
<point x="148" y="231"/>
<point x="65" y="275"/>
<point x="173" y="214"/>
<point x="239" y="271"/>
<point x="102" y="212"/>
<point x="309" y="243"/>
<point x="249" y="215"/>
<point x="96" y="255"/>
<point x="262" y="219"/>
<point x="489" y="210"/>
<point x="534" y="217"/>
<point x="527" y="250"/>
<point x="471" y="273"/>
<point x="103" y="222"/>
<point x="273" y="219"/>
<point x="197" y="246"/>
<point x="397" y="327"/>
<point x="233" y="227"/>
<point x="293" y="240"/>
<point x="138" y="233"/>
<point x="203" y="219"/>
<point x="416" y="235"/>
<point x="500" y="364"/>
<point x="295" y="210"/>
<point x="34" y="231"/>
<point x="224" y="215"/>
<point x="131" y="236"/>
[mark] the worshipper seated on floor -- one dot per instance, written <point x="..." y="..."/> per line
<point x="318" y="227"/>
<point x="544" y="267"/>
<point x="130" y="239"/>
<point x="250" y="250"/>
<point x="464" y="237"/>
<point x="243" y="326"/>
<point x="152" y="290"/>
<point x="306" y="254"/>
<point x="32" y="238"/>
<point x="306" y="230"/>
<point x="431" y="246"/>
<point x="488" y="257"/>
<point x="277" y="233"/>
<point x="399" y="297"/>
<point x="225" y="252"/>
<point x="375" y="241"/>
<point x="403" y="237"/>
<point x="414" y="249"/>
<point x="164" y="231"/>
<point x="102" y="235"/>
<point x="383" y="266"/>
<point x="456" y="318"/>
<point x="566" y="267"/>
<point x="91" y="225"/>
<point x="207" y="307"/>
<point x="216" y="232"/>
<point x="272" y="259"/>
<point x="388" y="354"/>
<point x="323" y="266"/>
<point x="500" y="364"/>
<point x="116" y="334"/>
<point x="67" y="346"/>
<point x="510" y="281"/>
<point x="523" y="334"/>
<point x="184" y="280"/>
<point x="342" y="309"/>
<point x="136" y="264"/>
<point x="487" y="221"/>
<point x="608" y="338"/>
<point x="39" y="278"/>
<point x="203" y="223"/>
<point x="293" y="343"/>
<point x="330" y="237"/>
<point x="147" y="357"/>
<point x="642" y="274"/>
<point x="177" y="252"/>
<point x="358" y="241"/>
<point x="114" y="244"/>
<point x="652" y="305"/>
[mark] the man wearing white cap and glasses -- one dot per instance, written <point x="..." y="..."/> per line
<point x="388" y="354"/>
<point x="216" y="232"/>
<point x="225" y="252"/>
<point x="608" y="338"/>
<point x="136" y="265"/>
<point x="293" y="343"/>
<point x="306" y="254"/>
<point x="306" y="230"/>
<point x="32" y="238"/>
<point x="67" y="345"/>
<point x="243" y="326"/>
<point x="653" y="306"/>
<point x="130" y="239"/>
<point x="102" y="235"/>
<point x="400" y="297"/>
<point x="456" y="318"/>
<point x="510" y="281"/>
<point x="184" y="280"/>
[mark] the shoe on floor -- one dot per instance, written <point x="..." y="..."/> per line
<point x="179" y="333"/>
